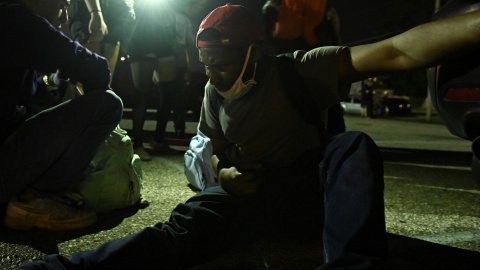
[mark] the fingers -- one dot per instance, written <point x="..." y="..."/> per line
<point x="239" y="184"/>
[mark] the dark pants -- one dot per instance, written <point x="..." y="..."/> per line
<point x="168" y="96"/>
<point x="346" y="185"/>
<point x="50" y="151"/>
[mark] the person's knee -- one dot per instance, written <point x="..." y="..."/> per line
<point x="355" y="135"/>
<point x="110" y="103"/>
<point x="114" y="100"/>
<point x="352" y="141"/>
<point x="115" y="103"/>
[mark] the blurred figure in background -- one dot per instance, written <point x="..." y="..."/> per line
<point x="101" y="25"/>
<point x="150" y="48"/>
<point x="184" y="42"/>
<point x="366" y="99"/>
<point x="291" y="25"/>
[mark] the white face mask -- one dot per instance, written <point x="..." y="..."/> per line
<point x="240" y="88"/>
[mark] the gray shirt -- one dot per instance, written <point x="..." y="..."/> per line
<point x="263" y="126"/>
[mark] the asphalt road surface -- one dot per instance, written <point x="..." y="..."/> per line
<point x="432" y="204"/>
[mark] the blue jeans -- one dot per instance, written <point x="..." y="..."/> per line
<point x="344" y="192"/>
<point x="50" y="151"/>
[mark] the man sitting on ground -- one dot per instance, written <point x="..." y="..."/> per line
<point x="275" y="170"/>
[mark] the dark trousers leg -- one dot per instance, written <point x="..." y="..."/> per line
<point x="196" y="231"/>
<point x="167" y="98"/>
<point x="354" y="230"/>
<point x="142" y="71"/>
<point x="180" y="100"/>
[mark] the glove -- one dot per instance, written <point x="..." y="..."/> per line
<point x="58" y="79"/>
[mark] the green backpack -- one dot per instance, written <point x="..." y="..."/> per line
<point x="113" y="179"/>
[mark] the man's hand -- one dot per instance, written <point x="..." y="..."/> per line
<point x="97" y="27"/>
<point x="58" y="79"/>
<point x="241" y="183"/>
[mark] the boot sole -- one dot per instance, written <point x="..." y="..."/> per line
<point x="21" y="219"/>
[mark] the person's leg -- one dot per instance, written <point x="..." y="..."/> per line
<point x="166" y="93"/>
<point x="180" y="101"/>
<point x="111" y="51"/>
<point x="164" y="79"/>
<point x="294" y="198"/>
<point x="142" y="71"/>
<point x="119" y="17"/>
<point x="354" y="230"/>
<point x="197" y="231"/>
<point x="50" y="151"/>
<point x="363" y="110"/>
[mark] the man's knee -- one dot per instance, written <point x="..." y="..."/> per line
<point x="353" y="136"/>
<point x="352" y="142"/>
<point x="111" y="104"/>
<point x="114" y="101"/>
<point x="104" y="106"/>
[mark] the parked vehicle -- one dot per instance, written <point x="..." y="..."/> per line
<point x="396" y="106"/>
<point x="351" y="105"/>
<point x="393" y="106"/>
<point x="455" y="88"/>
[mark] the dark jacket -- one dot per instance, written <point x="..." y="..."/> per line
<point x="29" y="43"/>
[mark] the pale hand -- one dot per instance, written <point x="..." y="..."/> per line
<point x="241" y="184"/>
<point x="97" y="28"/>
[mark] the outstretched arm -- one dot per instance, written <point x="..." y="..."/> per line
<point x="423" y="46"/>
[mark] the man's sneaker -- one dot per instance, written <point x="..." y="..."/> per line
<point x="142" y="153"/>
<point x="54" y="214"/>
<point x="163" y="148"/>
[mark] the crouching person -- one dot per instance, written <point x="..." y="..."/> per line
<point x="42" y="157"/>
